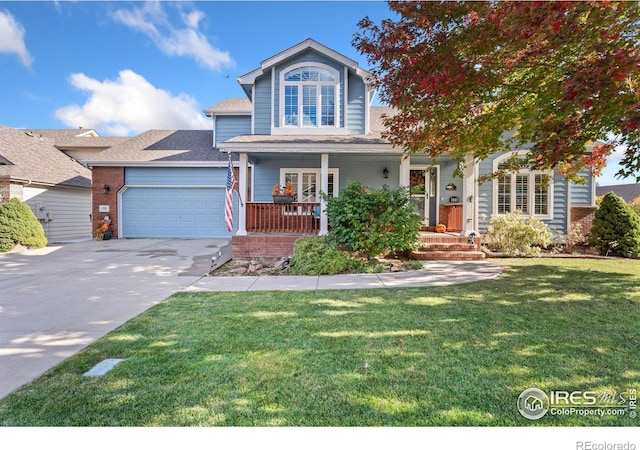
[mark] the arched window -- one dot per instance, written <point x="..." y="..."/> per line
<point x="309" y="96"/>
<point x="529" y="191"/>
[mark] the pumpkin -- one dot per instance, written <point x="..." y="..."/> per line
<point x="441" y="228"/>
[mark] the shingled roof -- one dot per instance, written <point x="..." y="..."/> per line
<point x="230" y="106"/>
<point x="27" y="156"/>
<point x="163" y="146"/>
<point x="628" y="192"/>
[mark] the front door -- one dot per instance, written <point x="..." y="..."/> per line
<point x="423" y="189"/>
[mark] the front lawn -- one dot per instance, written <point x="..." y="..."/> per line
<point x="456" y="355"/>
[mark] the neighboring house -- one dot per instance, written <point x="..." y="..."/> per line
<point x="628" y="192"/>
<point x="308" y="119"/>
<point x="35" y="169"/>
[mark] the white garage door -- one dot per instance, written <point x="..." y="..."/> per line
<point x="174" y="212"/>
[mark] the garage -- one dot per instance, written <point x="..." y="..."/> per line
<point x="173" y="203"/>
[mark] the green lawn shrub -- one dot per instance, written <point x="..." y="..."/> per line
<point x="372" y="221"/>
<point x="315" y="255"/>
<point x="18" y="225"/>
<point x="616" y="228"/>
<point x="514" y="235"/>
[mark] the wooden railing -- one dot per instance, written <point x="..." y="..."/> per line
<point x="268" y="217"/>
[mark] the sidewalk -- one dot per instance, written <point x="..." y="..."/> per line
<point x="434" y="273"/>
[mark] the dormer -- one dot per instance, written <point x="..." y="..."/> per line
<point x="309" y="89"/>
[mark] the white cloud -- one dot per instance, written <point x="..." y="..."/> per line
<point x="130" y="105"/>
<point x="185" y="40"/>
<point x="12" y="38"/>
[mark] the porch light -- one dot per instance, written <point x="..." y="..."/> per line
<point x="385" y="173"/>
<point x="450" y="187"/>
<point x="106" y="189"/>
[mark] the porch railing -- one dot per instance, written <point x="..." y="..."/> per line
<point x="267" y="217"/>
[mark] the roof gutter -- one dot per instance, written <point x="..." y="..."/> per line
<point x="156" y="163"/>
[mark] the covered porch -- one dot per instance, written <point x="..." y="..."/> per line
<point x="263" y="224"/>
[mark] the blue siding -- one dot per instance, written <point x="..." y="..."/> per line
<point x="356" y="105"/>
<point x="560" y="206"/>
<point x="581" y="194"/>
<point x="447" y="167"/>
<point x="367" y="170"/>
<point x="262" y="105"/>
<point x="267" y="173"/>
<point x="228" y="127"/>
<point x="485" y="195"/>
<point x="169" y="176"/>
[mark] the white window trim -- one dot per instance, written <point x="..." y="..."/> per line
<point x="309" y="129"/>
<point x="531" y="188"/>
<point x="334" y="172"/>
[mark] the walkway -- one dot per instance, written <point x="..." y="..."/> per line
<point x="434" y="273"/>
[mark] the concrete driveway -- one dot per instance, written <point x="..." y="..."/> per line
<point x="57" y="300"/>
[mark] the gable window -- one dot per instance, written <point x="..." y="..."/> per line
<point x="528" y="191"/>
<point x="306" y="183"/>
<point x="309" y="96"/>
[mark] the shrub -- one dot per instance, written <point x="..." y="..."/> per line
<point x="515" y="235"/>
<point x="616" y="228"/>
<point x="18" y="225"/>
<point x="575" y="237"/>
<point x="315" y="255"/>
<point x="372" y="221"/>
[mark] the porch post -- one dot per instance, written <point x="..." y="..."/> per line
<point x="324" y="187"/>
<point x="405" y="169"/>
<point x="468" y="196"/>
<point x="242" y="190"/>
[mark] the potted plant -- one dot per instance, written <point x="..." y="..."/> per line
<point x="103" y="232"/>
<point x="282" y="194"/>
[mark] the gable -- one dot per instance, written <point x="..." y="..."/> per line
<point x="286" y="101"/>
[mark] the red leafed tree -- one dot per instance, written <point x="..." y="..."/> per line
<point x="480" y="77"/>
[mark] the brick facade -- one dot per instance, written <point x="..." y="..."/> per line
<point x="114" y="178"/>
<point x="263" y="245"/>
<point x="584" y="216"/>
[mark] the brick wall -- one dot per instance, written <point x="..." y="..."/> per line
<point x="114" y="178"/>
<point x="263" y="246"/>
<point x="584" y="216"/>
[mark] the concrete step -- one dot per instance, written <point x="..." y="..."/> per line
<point x="447" y="247"/>
<point x="447" y="255"/>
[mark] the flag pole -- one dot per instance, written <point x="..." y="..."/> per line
<point x="236" y="187"/>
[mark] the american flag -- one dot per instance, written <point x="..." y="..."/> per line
<point x="228" y="206"/>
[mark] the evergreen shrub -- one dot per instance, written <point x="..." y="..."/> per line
<point x="616" y="228"/>
<point x="18" y="225"/>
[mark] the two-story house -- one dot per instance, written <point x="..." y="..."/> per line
<point x="307" y="120"/>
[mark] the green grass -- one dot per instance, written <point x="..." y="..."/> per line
<point x="446" y="356"/>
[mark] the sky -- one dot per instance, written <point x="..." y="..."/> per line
<point x="126" y="67"/>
